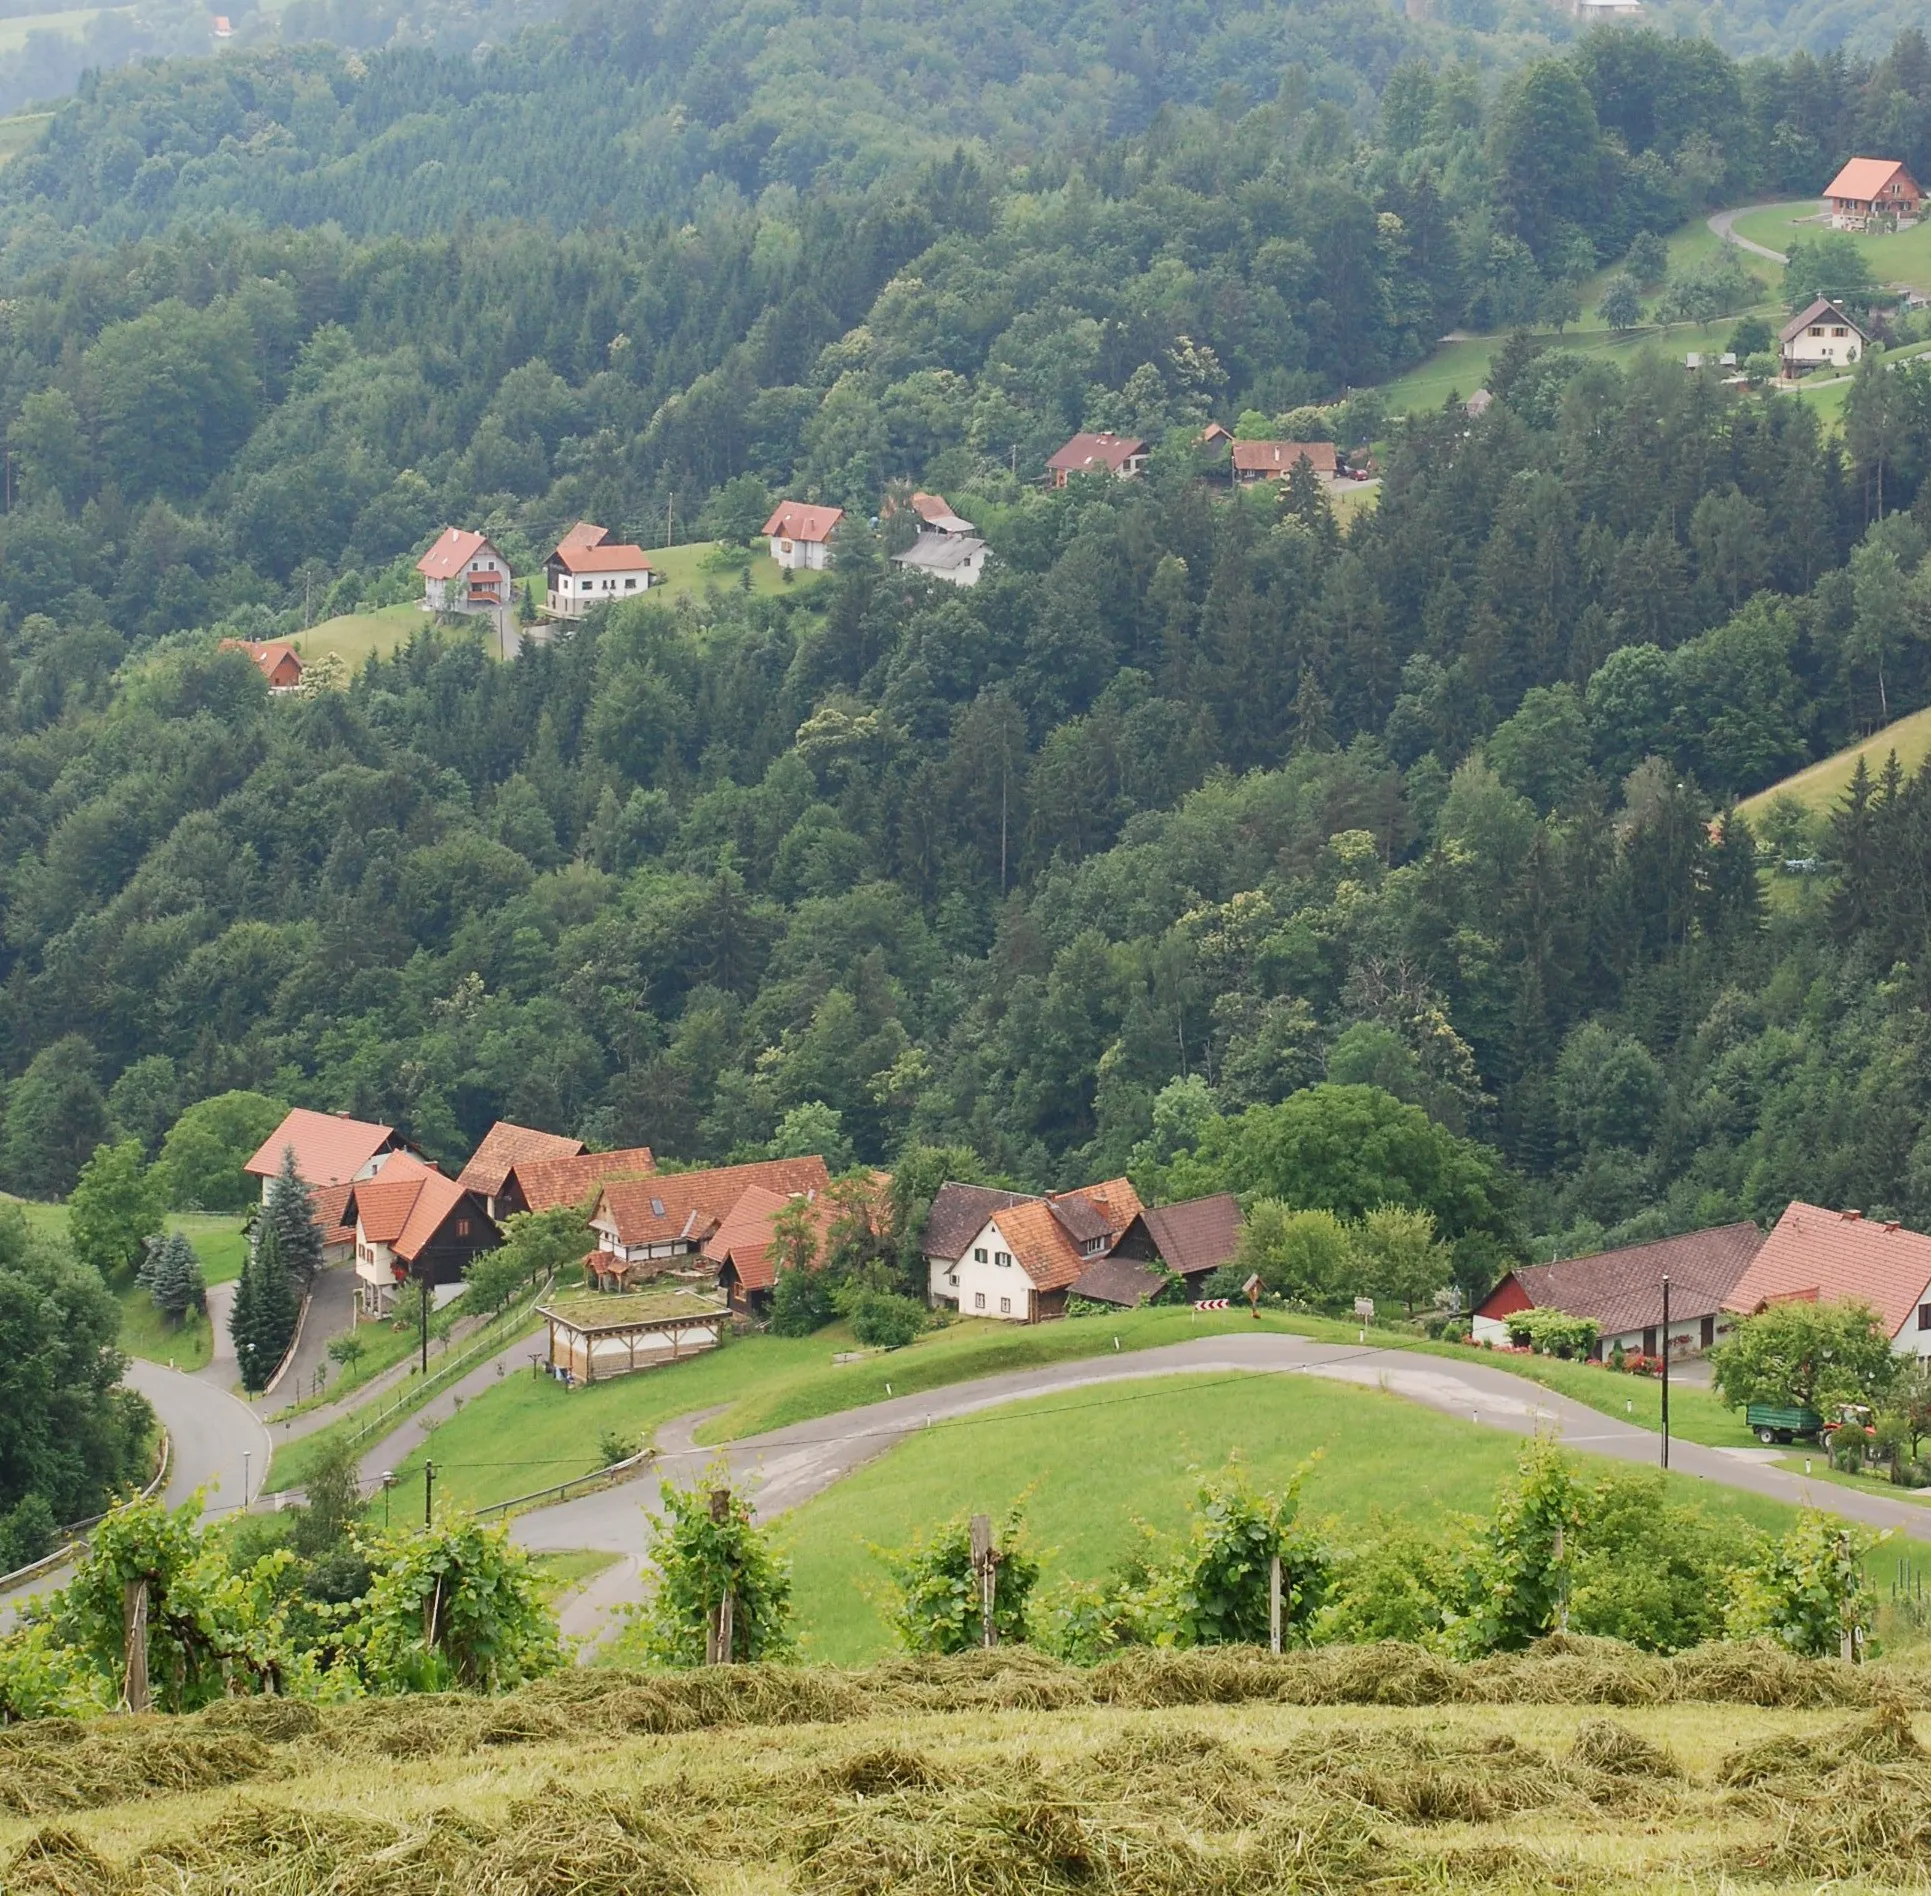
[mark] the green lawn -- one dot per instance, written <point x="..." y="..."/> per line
<point x="687" y="569"/>
<point x="16" y="134"/>
<point x="1091" y="1463"/>
<point x="1901" y="258"/>
<point x="14" y="33"/>
<point x="1819" y="786"/>
<point x="384" y="1345"/>
<point x="357" y="636"/>
<point x="145" y="1332"/>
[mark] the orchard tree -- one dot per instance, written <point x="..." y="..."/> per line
<point x="203" y="1155"/>
<point x="1807" y="1356"/>
<point x="115" y="1207"/>
<point x="535" y="1243"/>
<point x="1622" y="303"/>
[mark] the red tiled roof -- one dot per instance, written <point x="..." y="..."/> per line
<point x="327" y="1201"/>
<point x="1282" y="457"/>
<point x="406" y="1212"/>
<point x="612" y="557"/>
<point x="692" y="1205"/>
<point x="549" y="1183"/>
<point x="1863" y="180"/>
<point x="794" y="520"/>
<point x="1198" y="1235"/>
<point x="452" y="553"/>
<point x="505" y="1145"/>
<point x="1837" y="1257"/>
<point x="584" y="534"/>
<point x="329" y="1148"/>
<point x="936" y="511"/>
<point x="746" y="1235"/>
<point x="1823" y="309"/>
<point x="1087" y="451"/>
<point x="1116" y="1198"/>
<point x="270" y="655"/>
<point x="1623" y="1290"/>
<point x="1041" y="1245"/>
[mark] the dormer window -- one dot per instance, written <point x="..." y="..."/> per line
<point x="656" y="1207"/>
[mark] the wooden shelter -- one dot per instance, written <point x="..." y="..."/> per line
<point x="597" y="1335"/>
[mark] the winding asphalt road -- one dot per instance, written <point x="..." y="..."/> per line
<point x="1723" y="223"/>
<point x="789" y="1466"/>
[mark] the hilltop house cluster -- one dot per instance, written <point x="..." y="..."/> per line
<point x="1720" y="1276"/>
<point x="713" y="1234"/>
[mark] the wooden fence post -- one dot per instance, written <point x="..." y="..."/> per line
<point x="985" y="1564"/>
<point x="720" y="1635"/>
<point x="1274" y="1603"/>
<point x="134" y="1617"/>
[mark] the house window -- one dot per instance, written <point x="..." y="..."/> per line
<point x="978" y="1300"/>
<point x="952" y="1279"/>
<point x="462" y="1227"/>
<point x="1924" y="1316"/>
<point x="1816" y="329"/>
<point x="1003" y="1258"/>
<point x="1005" y="1306"/>
<point x="978" y="1254"/>
<point x="1840" y="330"/>
<point x="630" y="585"/>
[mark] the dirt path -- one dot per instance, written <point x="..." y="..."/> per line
<point x="1723" y="223"/>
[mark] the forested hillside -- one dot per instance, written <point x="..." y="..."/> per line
<point x="1194" y="801"/>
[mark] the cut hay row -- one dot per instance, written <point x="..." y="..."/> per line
<point x="1130" y="1805"/>
<point x="57" y="1765"/>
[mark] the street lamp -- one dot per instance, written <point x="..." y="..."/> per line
<point x="388" y="1482"/>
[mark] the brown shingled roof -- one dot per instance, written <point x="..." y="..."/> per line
<point x="506" y="1145"/>
<point x="1282" y="457"/>
<point x="1118" y="1280"/>
<point x="691" y="1205"/>
<point x="959" y="1214"/>
<point x="1623" y="1290"/>
<point x="548" y="1183"/>
<point x="1196" y="1236"/>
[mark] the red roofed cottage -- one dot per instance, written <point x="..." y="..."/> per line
<point x="801" y="535"/>
<point x="1820" y="1256"/>
<point x="1119" y="455"/>
<point x="1873" y="191"/>
<point x="462" y="572"/>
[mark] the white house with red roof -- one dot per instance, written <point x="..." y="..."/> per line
<point x="332" y="1152"/>
<point x="1026" y="1256"/>
<point x="463" y="572"/>
<point x="1825" y="335"/>
<point x="1123" y="456"/>
<point x="589" y="568"/>
<point x="410" y="1221"/>
<point x="1820" y="1256"/>
<point x="801" y="535"/>
<point x="1874" y="193"/>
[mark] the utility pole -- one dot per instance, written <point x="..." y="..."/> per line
<point x="1666" y="1372"/>
<point x="424" y="1288"/>
<point x="428" y="1494"/>
<point x="669" y="534"/>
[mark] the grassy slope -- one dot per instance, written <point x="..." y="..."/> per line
<point x="1462" y="367"/>
<point x="15" y="33"/>
<point x="1091" y="1463"/>
<point x="1902" y="258"/>
<point x="684" y="571"/>
<point x="356" y="636"/>
<point x="17" y="133"/>
<point x="1819" y="786"/>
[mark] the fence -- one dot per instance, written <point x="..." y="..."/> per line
<point x="598" y="1478"/>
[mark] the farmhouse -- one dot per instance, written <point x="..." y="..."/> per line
<point x="1024" y="1259"/>
<point x="645" y="1226"/>
<point x="936" y="515"/>
<point x="1819" y="1256"/>
<point x="1276" y="460"/>
<point x="329" y="1148"/>
<point x="958" y="1215"/>
<point x="410" y="1221"/>
<point x="1873" y="194"/>
<point x="1192" y="1239"/>
<point x="277" y="661"/>
<point x="1097" y="454"/>
<point x="801" y="535"/>
<point x="462" y="572"/>
<point x="538" y="1184"/>
<point x="501" y="1150"/>
<point x="589" y="569"/>
<point x="1823" y="336"/>
<point x="1623" y="1291"/>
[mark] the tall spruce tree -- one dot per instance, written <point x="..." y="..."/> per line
<point x="265" y="1309"/>
<point x="174" y="1280"/>
<point x="291" y="1210"/>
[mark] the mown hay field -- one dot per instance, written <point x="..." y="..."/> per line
<point x="1586" y="1768"/>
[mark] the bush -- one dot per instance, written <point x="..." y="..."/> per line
<point x="1554" y="1333"/>
<point x="939" y="1603"/>
<point x="882" y="1321"/>
<point x="800" y="1303"/>
<point x="703" y="1551"/>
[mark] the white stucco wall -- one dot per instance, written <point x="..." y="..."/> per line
<point x="994" y="1282"/>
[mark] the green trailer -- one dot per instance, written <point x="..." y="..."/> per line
<point x="1770" y="1423"/>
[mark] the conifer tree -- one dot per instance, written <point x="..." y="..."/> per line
<point x="291" y="1211"/>
<point x="265" y="1308"/>
<point x="175" y="1281"/>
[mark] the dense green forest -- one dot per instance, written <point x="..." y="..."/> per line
<point x="1196" y="800"/>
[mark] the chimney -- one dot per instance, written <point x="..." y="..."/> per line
<point x="1892" y="1226"/>
<point x="1850" y="1217"/>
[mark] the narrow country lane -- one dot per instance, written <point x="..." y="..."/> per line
<point x="215" y="1440"/>
<point x="1723" y="223"/>
<point x="789" y="1466"/>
